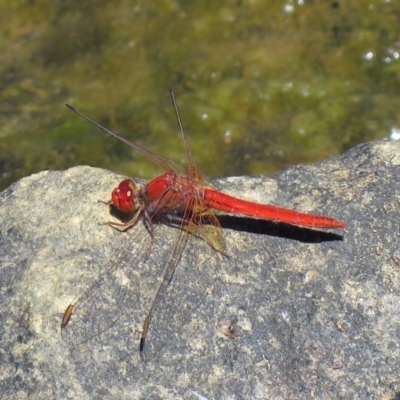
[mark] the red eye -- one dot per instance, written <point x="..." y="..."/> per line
<point x="123" y="197"/>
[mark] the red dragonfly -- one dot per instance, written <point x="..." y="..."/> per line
<point x="187" y="202"/>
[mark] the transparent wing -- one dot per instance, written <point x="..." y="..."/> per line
<point x="185" y="280"/>
<point x="163" y="162"/>
<point x="194" y="171"/>
<point x="150" y="281"/>
<point x="116" y="292"/>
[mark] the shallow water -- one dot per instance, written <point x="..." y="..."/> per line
<point x="260" y="85"/>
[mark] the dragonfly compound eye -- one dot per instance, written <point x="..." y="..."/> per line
<point x="123" y="197"/>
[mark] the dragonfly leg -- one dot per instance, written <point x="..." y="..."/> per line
<point x="123" y="226"/>
<point x="149" y="224"/>
<point x="107" y="203"/>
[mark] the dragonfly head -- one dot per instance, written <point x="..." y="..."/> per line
<point x="124" y="196"/>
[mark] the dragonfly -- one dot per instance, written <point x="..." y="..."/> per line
<point x="188" y="203"/>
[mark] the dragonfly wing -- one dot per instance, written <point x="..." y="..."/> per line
<point x="147" y="275"/>
<point x="194" y="170"/>
<point x="185" y="288"/>
<point x="121" y="296"/>
<point x="113" y="294"/>
<point x="163" y="162"/>
<point x="185" y="282"/>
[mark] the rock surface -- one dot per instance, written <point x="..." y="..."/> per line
<point x="293" y="313"/>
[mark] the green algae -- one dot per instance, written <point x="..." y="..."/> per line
<point x="260" y="85"/>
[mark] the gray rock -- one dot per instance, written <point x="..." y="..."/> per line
<point x="292" y="313"/>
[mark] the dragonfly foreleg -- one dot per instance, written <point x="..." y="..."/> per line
<point x="124" y="226"/>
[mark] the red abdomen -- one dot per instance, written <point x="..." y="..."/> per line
<point x="224" y="202"/>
